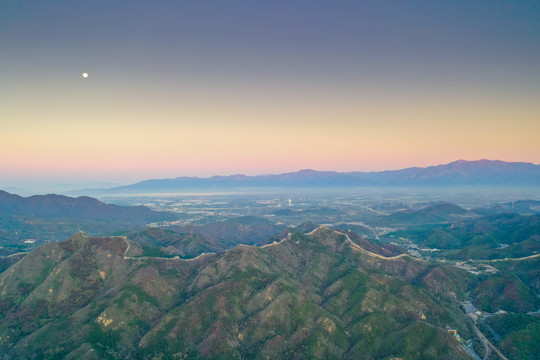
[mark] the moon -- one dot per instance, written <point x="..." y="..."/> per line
<point x="84" y="75"/>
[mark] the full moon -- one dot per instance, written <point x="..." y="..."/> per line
<point x="84" y="75"/>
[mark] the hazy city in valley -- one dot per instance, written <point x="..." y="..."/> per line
<point x="270" y="180"/>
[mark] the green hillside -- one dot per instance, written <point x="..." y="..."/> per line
<point x="315" y="295"/>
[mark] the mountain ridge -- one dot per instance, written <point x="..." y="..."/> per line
<point x="310" y="296"/>
<point x="52" y="205"/>
<point x="458" y="173"/>
<point x="26" y="222"/>
<point x="321" y="293"/>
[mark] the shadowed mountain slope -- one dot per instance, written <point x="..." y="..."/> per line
<point x="191" y="240"/>
<point x="83" y="207"/>
<point x="43" y="218"/>
<point x="489" y="237"/>
<point x="436" y="213"/>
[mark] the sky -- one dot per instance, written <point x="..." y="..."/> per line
<point x="198" y="88"/>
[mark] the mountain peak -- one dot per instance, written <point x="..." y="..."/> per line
<point x="308" y="171"/>
<point x="485" y="162"/>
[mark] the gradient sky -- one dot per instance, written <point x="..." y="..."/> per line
<point x="221" y="87"/>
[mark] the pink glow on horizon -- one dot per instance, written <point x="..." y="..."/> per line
<point x="140" y="136"/>
<point x="127" y="174"/>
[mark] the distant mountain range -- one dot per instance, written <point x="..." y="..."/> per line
<point x="458" y="173"/>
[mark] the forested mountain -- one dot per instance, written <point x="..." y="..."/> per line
<point x="320" y="294"/>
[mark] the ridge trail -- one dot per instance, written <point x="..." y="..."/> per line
<point x="361" y="249"/>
